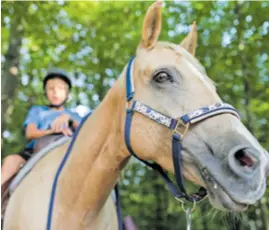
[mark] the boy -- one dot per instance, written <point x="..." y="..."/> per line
<point x="42" y="121"/>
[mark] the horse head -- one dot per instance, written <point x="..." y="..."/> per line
<point x="218" y="153"/>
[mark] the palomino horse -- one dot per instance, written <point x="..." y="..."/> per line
<point x="167" y="78"/>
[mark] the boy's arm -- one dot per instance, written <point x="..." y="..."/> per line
<point x="32" y="132"/>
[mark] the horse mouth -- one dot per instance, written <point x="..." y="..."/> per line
<point x="218" y="195"/>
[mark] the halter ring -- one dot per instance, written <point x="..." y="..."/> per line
<point x="188" y="209"/>
<point x="181" y="128"/>
<point x="179" y="199"/>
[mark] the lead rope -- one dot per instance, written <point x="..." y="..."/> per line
<point x="188" y="212"/>
<point x="188" y="218"/>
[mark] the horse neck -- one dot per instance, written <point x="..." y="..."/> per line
<point x="97" y="156"/>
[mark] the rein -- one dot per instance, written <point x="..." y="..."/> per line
<point x="179" y="127"/>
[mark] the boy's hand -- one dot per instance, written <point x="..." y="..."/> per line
<point x="67" y="132"/>
<point x="60" y="124"/>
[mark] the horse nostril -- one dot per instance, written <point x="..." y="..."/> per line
<point x="244" y="159"/>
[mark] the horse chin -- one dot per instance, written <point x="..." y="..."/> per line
<point x="217" y="195"/>
<point x="220" y="199"/>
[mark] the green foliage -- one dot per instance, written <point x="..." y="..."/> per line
<point x="94" y="40"/>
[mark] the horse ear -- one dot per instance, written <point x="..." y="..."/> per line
<point x="189" y="42"/>
<point x="152" y="25"/>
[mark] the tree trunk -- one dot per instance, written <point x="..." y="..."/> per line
<point x="159" y="212"/>
<point x="10" y="69"/>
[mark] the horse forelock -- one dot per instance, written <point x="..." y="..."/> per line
<point x="199" y="69"/>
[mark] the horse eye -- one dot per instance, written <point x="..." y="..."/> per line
<point x="162" y="77"/>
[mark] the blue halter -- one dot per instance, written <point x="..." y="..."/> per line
<point x="178" y="126"/>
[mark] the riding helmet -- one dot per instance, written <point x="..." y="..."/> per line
<point x="57" y="73"/>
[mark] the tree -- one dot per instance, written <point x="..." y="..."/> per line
<point x="10" y="70"/>
<point x="95" y="40"/>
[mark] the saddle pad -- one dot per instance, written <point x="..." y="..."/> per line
<point x="32" y="162"/>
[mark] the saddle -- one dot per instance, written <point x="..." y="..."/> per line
<point x="42" y="147"/>
<point x="42" y="142"/>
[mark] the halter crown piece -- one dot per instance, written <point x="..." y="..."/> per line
<point x="178" y="126"/>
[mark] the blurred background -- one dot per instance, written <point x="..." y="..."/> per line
<point x="94" y="40"/>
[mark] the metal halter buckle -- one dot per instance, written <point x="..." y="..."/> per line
<point x="181" y="128"/>
<point x="128" y="104"/>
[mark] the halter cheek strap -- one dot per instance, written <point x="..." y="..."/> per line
<point x="178" y="126"/>
<point x="130" y="89"/>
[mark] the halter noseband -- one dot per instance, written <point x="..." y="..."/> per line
<point x="178" y="126"/>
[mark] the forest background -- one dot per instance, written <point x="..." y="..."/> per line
<point x="94" y="40"/>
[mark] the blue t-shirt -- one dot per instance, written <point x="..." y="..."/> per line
<point x="43" y="117"/>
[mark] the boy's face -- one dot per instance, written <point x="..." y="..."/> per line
<point x="56" y="91"/>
